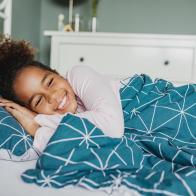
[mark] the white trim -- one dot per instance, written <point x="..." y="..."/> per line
<point x="120" y="35"/>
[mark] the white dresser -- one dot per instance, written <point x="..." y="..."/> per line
<point x="171" y="57"/>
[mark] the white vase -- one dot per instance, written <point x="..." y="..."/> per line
<point x="94" y="24"/>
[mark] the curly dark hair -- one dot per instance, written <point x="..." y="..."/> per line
<point x="15" y="55"/>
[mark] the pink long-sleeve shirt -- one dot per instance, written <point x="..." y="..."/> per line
<point x="98" y="101"/>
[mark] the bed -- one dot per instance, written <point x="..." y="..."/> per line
<point x="11" y="184"/>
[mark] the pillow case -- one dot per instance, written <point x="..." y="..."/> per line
<point x="15" y="143"/>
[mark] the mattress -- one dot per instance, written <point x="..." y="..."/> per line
<point x="12" y="185"/>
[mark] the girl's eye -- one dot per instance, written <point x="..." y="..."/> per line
<point x="38" y="101"/>
<point x="50" y="82"/>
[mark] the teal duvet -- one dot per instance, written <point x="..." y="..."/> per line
<point x="156" y="155"/>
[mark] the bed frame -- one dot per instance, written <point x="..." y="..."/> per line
<point x="6" y="15"/>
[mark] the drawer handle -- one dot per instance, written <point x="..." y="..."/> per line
<point x="166" y="63"/>
<point x="81" y="59"/>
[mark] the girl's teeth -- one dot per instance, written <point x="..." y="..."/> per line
<point x="62" y="103"/>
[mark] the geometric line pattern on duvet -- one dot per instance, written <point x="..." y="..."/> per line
<point x="156" y="155"/>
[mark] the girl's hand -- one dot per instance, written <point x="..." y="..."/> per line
<point x="22" y="114"/>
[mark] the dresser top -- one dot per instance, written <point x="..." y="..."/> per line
<point x="120" y="35"/>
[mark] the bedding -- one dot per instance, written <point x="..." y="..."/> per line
<point x="12" y="185"/>
<point x="15" y="143"/>
<point x="155" y="156"/>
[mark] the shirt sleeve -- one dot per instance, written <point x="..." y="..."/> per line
<point x="102" y="105"/>
<point x="42" y="137"/>
<point x="51" y="121"/>
<point x="48" y="125"/>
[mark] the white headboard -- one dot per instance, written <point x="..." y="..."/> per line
<point x="6" y="15"/>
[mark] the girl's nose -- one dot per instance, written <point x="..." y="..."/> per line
<point x="53" y="97"/>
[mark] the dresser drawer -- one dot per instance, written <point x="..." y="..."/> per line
<point x="171" y="63"/>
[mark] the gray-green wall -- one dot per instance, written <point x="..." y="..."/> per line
<point x="1" y="22"/>
<point x="148" y="16"/>
<point x="26" y="20"/>
<point x="1" y="25"/>
<point x="32" y="17"/>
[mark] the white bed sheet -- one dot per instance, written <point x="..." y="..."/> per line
<point x="11" y="184"/>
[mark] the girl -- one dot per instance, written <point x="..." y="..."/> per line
<point x="38" y="97"/>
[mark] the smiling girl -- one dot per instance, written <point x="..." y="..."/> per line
<point x="38" y="97"/>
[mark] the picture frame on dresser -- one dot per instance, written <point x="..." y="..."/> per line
<point x="171" y="57"/>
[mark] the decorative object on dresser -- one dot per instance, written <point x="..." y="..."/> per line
<point x="61" y="22"/>
<point x="72" y="25"/>
<point x="171" y="57"/>
<point x="94" y="15"/>
<point x="6" y="15"/>
<point x="69" y="26"/>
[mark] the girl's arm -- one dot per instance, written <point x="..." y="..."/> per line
<point x="48" y="125"/>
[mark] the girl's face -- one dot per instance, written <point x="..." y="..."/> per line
<point x="44" y="92"/>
